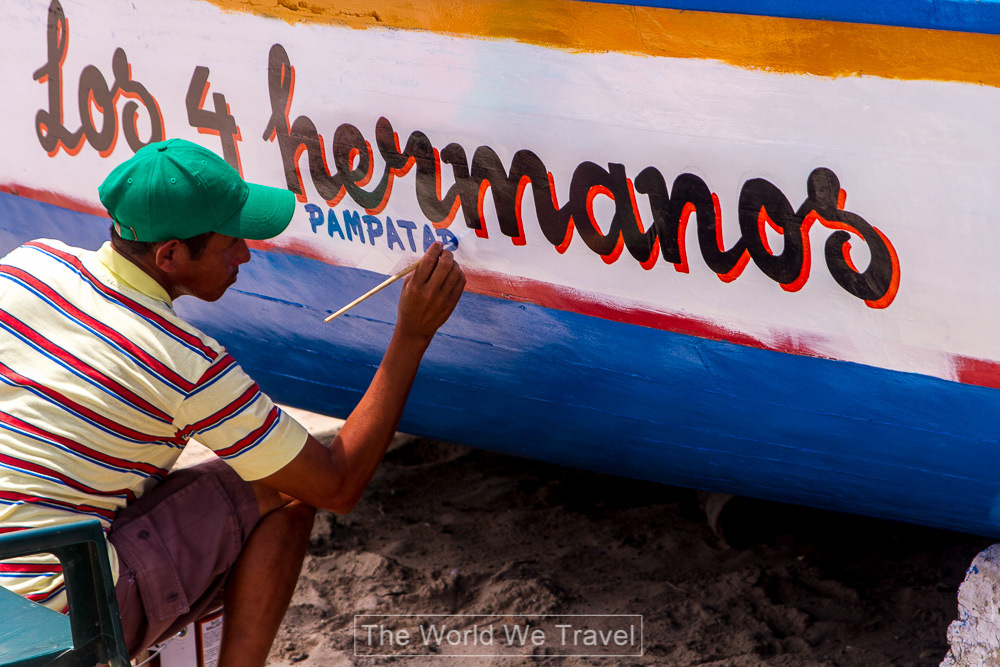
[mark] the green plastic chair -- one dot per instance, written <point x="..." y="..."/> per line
<point x="32" y="635"/>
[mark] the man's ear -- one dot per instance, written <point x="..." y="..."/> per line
<point x="171" y="255"/>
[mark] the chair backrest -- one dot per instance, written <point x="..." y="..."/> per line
<point x="94" y="625"/>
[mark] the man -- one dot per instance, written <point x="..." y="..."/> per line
<point x="101" y="386"/>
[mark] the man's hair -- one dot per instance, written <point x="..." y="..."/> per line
<point x="195" y="245"/>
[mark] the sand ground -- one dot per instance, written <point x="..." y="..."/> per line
<point x="444" y="529"/>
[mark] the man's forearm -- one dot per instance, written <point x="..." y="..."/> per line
<point x="334" y="477"/>
<point x="362" y="441"/>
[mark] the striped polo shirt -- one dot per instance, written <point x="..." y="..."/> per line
<point x="101" y="386"/>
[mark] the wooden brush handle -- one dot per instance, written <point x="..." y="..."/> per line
<point x="378" y="288"/>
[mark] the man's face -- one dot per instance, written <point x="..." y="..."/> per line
<point x="209" y="276"/>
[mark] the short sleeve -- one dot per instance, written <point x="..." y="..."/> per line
<point x="228" y="413"/>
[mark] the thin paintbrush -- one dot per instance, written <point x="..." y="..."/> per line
<point x="378" y="288"/>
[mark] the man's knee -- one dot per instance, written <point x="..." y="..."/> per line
<point x="300" y="518"/>
<point x="296" y="517"/>
<point x="268" y="499"/>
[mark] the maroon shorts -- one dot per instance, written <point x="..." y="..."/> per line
<point x="176" y="546"/>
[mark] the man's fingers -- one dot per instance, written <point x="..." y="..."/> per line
<point x="431" y="292"/>
<point x="427" y="263"/>
<point x="444" y="267"/>
<point x="455" y="281"/>
<point x="435" y="266"/>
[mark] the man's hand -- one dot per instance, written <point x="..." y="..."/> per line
<point x="430" y="294"/>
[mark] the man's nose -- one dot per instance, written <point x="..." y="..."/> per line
<point x="243" y="253"/>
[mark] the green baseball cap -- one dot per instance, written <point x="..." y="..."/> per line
<point x="176" y="189"/>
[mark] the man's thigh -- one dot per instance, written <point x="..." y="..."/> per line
<point x="176" y="546"/>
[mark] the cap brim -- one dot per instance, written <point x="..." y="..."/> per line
<point x="265" y="214"/>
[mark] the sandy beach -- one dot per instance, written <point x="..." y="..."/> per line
<point x="444" y="529"/>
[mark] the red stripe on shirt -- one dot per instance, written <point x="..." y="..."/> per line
<point x="40" y="597"/>
<point x="252" y="437"/>
<point x="244" y="399"/>
<point x="68" y="481"/>
<point x="221" y="365"/>
<point x="82" y="450"/>
<point x="113" y="386"/>
<point x="18" y="497"/>
<point x="84" y="412"/>
<point x="86" y="320"/>
<point x="31" y="568"/>
<point x="132" y="305"/>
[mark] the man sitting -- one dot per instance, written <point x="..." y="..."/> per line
<point x="102" y="385"/>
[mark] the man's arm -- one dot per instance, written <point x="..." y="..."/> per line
<point x="334" y="477"/>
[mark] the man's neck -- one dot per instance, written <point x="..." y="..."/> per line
<point x="146" y="263"/>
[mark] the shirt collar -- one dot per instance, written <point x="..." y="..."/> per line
<point x="127" y="273"/>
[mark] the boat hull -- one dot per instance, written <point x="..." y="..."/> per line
<point x="761" y="263"/>
<point x="587" y="392"/>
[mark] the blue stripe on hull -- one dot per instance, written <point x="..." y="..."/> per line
<point x="618" y="398"/>
<point x="981" y="16"/>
